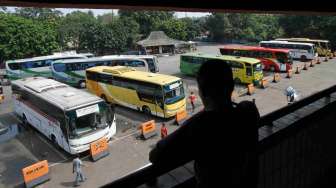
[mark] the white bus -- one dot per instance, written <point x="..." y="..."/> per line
<point x="152" y="60"/>
<point x="72" y="71"/>
<point x="36" y="66"/>
<point x="301" y="51"/>
<point x="72" y="119"/>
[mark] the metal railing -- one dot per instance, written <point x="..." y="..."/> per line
<point x="277" y="169"/>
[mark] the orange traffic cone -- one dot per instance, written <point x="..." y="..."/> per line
<point x="311" y="64"/>
<point x="297" y="70"/>
<point x="305" y="67"/>
<point x="318" y="61"/>
<point x="289" y="73"/>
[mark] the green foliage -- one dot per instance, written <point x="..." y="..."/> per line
<point x="40" y="31"/>
<point x="38" y="13"/>
<point x="21" y="37"/>
<point x="147" y="20"/>
<point x="250" y="27"/>
<point x="174" y="28"/>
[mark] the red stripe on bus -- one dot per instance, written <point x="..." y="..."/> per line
<point x="39" y="111"/>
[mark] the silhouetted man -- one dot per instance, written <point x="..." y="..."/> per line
<point x="222" y="139"/>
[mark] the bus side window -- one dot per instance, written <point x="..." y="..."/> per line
<point x="14" y="66"/>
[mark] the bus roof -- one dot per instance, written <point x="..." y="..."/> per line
<point x="94" y="59"/>
<point x="131" y="73"/>
<point x="286" y="42"/>
<point x="225" y="57"/>
<point x="135" y="56"/>
<point x="302" y="39"/>
<point x="54" y="56"/>
<point x="59" y="94"/>
<point x="255" y="48"/>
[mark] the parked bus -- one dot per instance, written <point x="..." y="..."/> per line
<point x="272" y="59"/>
<point x="72" y="119"/>
<point x="152" y="60"/>
<point x="322" y="46"/>
<point x="72" y="71"/>
<point x="36" y="66"/>
<point x="152" y="93"/>
<point x="244" y="69"/>
<point x="301" y="51"/>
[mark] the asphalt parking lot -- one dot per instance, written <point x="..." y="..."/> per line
<point x="22" y="146"/>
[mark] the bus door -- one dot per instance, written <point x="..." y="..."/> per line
<point x="159" y="102"/>
<point x="92" y="81"/>
<point x="248" y="73"/>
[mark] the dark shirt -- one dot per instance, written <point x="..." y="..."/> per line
<point x="222" y="143"/>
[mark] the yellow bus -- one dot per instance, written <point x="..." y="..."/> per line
<point x="155" y="94"/>
<point x="244" y="69"/>
<point x="322" y="46"/>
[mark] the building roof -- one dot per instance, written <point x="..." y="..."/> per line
<point x="254" y="48"/>
<point x="61" y="95"/>
<point x="158" y="38"/>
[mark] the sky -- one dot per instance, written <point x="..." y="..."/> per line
<point x="97" y="12"/>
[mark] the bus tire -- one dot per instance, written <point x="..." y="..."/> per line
<point x="104" y="98"/>
<point x="82" y="84"/>
<point x="237" y="81"/>
<point x="303" y="58"/>
<point x="24" y="121"/>
<point x="53" y="140"/>
<point x="146" y="110"/>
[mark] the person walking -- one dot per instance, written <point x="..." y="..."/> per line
<point x="164" y="131"/>
<point x="77" y="168"/>
<point x="192" y="99"/>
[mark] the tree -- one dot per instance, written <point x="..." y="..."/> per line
<point x="39" y="13"/>
<point x="72" y="26"/>
<point x="21" y="37"/>
<point x="174" y="28"/>
<point x="147" y="20"/>
<point x="193" y="28"/>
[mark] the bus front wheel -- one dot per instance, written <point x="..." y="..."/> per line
<point x="54" y="141"/>
<point x="303" y="58"/>
<point x="24" y="120"/>
<point x="104" y="98"/>
<point x="146" y="110"/>
<point x="82" y="84"/>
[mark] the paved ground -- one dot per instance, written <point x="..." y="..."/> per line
<point x="127" y="153"/>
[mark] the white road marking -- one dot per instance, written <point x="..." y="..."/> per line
<point x="85" y="157"/>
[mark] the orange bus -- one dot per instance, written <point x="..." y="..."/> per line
<point x="275" y="60"/>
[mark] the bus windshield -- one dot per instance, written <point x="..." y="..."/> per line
<point x="283" y="57"/>
<point x="257" y="67"/>
<point x="173" y="92"/>
<point x="87" y="119"/>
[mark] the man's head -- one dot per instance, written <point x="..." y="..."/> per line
<point x="163" y="124"/>
<point x="192" y="93"/>
<point x="215" y="83"/>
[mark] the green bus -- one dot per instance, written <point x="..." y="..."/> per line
<point x="36" y="66"/>
<point x="245" y="70"/>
